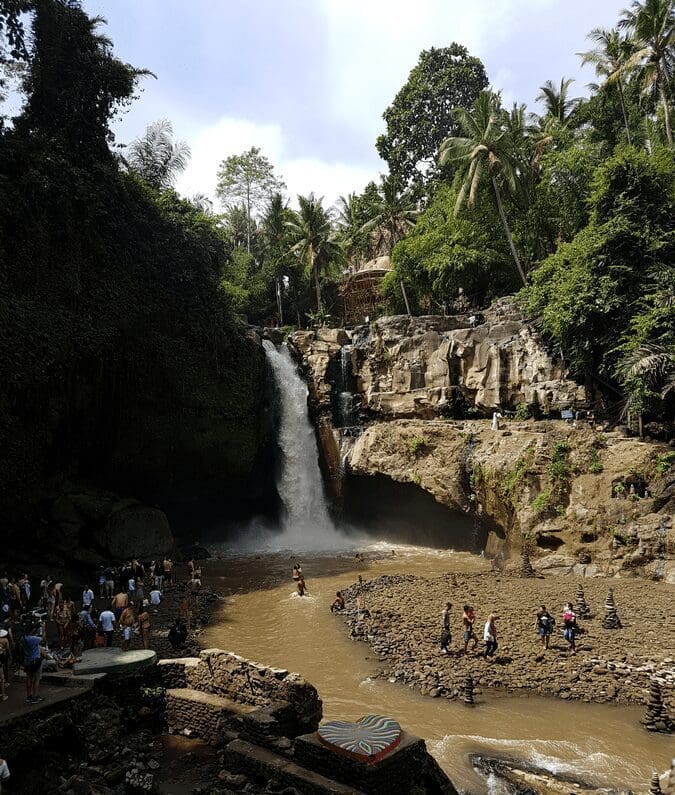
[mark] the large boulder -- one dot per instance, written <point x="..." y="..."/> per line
<point x="133" y="528"/>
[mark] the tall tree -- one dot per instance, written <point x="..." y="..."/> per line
<point x="393" y="215"/>
<point x="313" y="240"/>
<point x="485" y="148"/>
<point x="68" y="51"/>
<point x="557" y="102"/>
<point x="609" y="57"/>
<point x="652" y="26"/>
<point x="422" y="113"/>
<point x="156" y="158"/>
<point x="249" y="179"/>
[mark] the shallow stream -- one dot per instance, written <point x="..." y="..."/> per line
<point x="265" y="621"/>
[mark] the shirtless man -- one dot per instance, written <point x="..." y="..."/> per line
<point x="127" y="620"/>
<point x="468" y="619"/>
<point x="119" y="603"/>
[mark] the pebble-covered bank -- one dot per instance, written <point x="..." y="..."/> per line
<point x="404" y="628"/>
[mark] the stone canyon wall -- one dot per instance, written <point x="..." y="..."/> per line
<point x="571" y="491"/>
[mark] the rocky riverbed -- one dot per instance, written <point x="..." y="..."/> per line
<point x="610" y="665"/>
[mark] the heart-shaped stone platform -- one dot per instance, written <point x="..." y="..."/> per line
<point x="367" y="739"/>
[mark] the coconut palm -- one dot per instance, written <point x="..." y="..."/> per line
<point x="349" y="224"/>
<point x="651" y="24"/>
<point x="486" y="148"/>
<point x="313" y="241"/>
<point x="559" y="106"/>
<point x="609" y="58"/>
<point x="156" y="158"/>
<point x="394" y="214"/>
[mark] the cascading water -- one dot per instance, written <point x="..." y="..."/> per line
<point x="345" y="397"/>
<point x="307" y="523"/>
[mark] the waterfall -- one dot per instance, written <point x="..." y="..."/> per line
<point x="345" y="397"/>
<point x="307" y="523"/>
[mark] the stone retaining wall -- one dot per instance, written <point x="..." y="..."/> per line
<point x="203" y="714"/>
<point x="286" y="704"/>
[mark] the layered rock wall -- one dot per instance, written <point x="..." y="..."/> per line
<point x="545" y="484"/>
<point x="415" y="367"/>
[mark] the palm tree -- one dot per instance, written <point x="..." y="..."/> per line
<point x="394" y="214"/>
<point x="487" y="147"/>
<point x="559" y="106"/>
<point x="313" y="244"/>
<point x="349" y="224"/>
<point x="609" y="58"/>
<point x="652" y="26"/>
<point x="156" y="158"/>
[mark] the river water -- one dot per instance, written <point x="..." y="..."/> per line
<point x="265" y="621"/>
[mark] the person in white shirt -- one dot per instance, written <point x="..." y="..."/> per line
<point x="87" y="596"/>
<point x="155" y="597"/>
<point x="107" y="619"/>
<point x="490" y="636"/>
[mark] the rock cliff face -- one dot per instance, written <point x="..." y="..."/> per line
<point x="379" y="397"/>
<point x="403" y="367"/>
<point x="543" y="484"/>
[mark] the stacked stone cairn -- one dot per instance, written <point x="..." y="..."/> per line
<point x="526" y="569"/>
<point x="582" y="609"/>
<point x="468" y="691"/>
<point x="670" y="783"/>
<point x="656" y="719"/>
<point x="611" y="619"/>
<point x="655" y="788"/>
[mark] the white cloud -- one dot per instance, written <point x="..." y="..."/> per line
<point x="214" y="142"/>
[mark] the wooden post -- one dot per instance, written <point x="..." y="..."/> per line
<point x="405" y="298"/>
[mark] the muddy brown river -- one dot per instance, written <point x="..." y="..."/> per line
<point x="264" y="620"/>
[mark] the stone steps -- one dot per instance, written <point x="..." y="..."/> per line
<point x="263" y="764"/>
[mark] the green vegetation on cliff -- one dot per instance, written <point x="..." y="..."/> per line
<point x="121" y="360"/>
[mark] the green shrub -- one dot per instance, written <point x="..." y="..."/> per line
<point x="665" y="462"/>
<point x="541" y="503"/>
<point x="595" y="464"/>
<point x="559" y="469"/>
<point x="522" y="412"/>
<point x="417" y="444"/>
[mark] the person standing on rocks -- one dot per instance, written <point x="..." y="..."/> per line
<point x="32" y="662"/>
<point x="107" y="620"/>
<point x="571" y="627"/>
<point x="127" y="621"/>
<point x="446" y="634"/>
<point x="544" y="626"/>
<point x="490" y="636"/>
<point x="338" y="603"/>
<point x="144" y="623"/>
<point x="119" y="603"/>
<point x="87" y="597"/>
<point x="468" y="619"/>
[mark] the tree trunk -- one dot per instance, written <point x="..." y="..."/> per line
<point x="623" y="110"/>
<point x="507" y="231"/>
<point x="666" y="112"/>
<point x="248" y="219"/>
<point x="317" y="286"/>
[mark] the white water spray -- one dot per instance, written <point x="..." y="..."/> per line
<point x="307" y="523"/>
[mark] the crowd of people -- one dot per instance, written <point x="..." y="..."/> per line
<point x="46" y="626"/>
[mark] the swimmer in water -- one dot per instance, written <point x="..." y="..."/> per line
<point x="338" y="604"/>
<point x="302" y="588"/>
<point x="297" y="572"/>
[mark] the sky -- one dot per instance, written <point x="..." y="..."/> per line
<point x="307" y="81"/>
